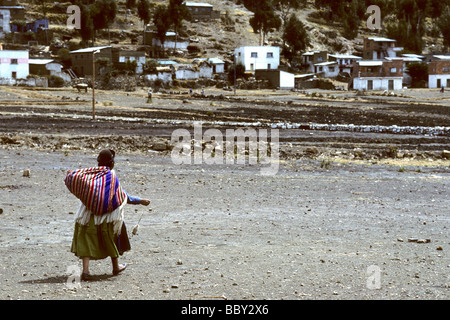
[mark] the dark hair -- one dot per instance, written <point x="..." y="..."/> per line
<point x="106" y="158"/>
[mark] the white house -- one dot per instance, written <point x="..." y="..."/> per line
<point x="327" y="69"/>
<point x="130" y="55"/>
<point x="258" y="57"/>
<point x="376" y="48"/>
<point x="312" y="57"/>
<point x="378" y="75"/>
<point x="217" y="64"/>
<point x="186" y="72"/>
<point x="345" y="61"/>
<point x="439" y="72"/>
<point x="170" y="42"/>
<point x="49" y="67"/>
<point x="14" y="64"/>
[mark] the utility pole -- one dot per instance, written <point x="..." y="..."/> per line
<point x="93" y="83"/>
<point x="234" y="55"/>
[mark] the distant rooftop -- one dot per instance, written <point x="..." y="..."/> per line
<point x="344" y="56"/>
<point x="198" y="4"/>
<point x="370" y="63"/>
<point x="91" y="49"/>
<point x="40" y="61"/>
<point x="441" y="57"/>
<point x="381" y="39"/>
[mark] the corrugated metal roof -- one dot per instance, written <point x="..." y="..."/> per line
<point x="368" y="63"/>
<point x="91" y="49"/>
<point x="40" y="61"/>
<point x="198" y="4"/>
<point x="381" y="39"/>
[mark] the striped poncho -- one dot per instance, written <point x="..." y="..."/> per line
<point x="98" y="189"/>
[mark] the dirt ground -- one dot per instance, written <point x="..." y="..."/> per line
<point x="347" y="216"/>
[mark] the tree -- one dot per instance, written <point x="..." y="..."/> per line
<point x="418" y="72"/>
<point x="103" y="13"/>
<point x="65" y="58"/>
<point x="161" y="16"/>
<point x="131" y="4"/>
<point x="143" y="8"/>
<point x="444" y="25"/>
<point x="285" y="7"/>
<point x="264" y="19"/>
<point x="295" y="37"/>
<point x="351" y="21"/>
<point x="87" y="27"/>
<point x="178" y="12"/>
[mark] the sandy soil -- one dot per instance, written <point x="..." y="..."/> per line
<point x="329" y="225"/>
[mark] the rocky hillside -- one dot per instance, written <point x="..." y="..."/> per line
<point x="217" y="38"/>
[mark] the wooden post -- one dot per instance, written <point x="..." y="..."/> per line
<point x="93" y="85"/>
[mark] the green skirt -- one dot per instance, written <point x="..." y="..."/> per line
<point x="99" y="242"/>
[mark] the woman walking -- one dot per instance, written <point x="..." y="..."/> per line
<point x="100" y="230"/>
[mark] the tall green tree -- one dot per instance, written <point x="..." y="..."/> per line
<point x="351" y="21"/>
<point x="295" y="37"/>
<point x="444" y="25"/>
<point x="265" y="19"/>
<point x="161" y="18"/>
<point x="103" y="13"/>
<point x="87" y="27"/>
<point x="143" y="9"/>
<point x="177" y="12"/>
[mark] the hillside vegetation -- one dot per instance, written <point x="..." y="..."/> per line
<point x="336" y="26"/>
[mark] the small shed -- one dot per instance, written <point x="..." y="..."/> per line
<point x="218" y="65"/>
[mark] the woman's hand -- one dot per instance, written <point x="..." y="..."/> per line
<point x="144" y="202"/>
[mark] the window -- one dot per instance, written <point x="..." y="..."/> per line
<point x="268" y="66"/>
<point x="393" y="70"/>
<point x="254" y="55"/>
<point x="269" y="54"/>
<point x="331" y="69"/>
<point x="13" y="61"/>
<point x="445" y="69"/>
<point x="319" y="59"/>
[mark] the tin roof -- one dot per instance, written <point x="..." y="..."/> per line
<point x="91" y="49"/>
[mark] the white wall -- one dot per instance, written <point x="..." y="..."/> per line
<point x="287" y="80"/>
<point x="205" y="71"/>
<point x="166" y="77"/>
<point x="7" y="68"/>
<point x="378" y="83"/>
<point x="220" y="68"/>
<point x="186" y="74"/>
<point x="4" y="23"/>
<point x="140" y="60"/>
<point x="261" y="62"/>
<point x="169" y="44"/>
<point x="432" y="80"/>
